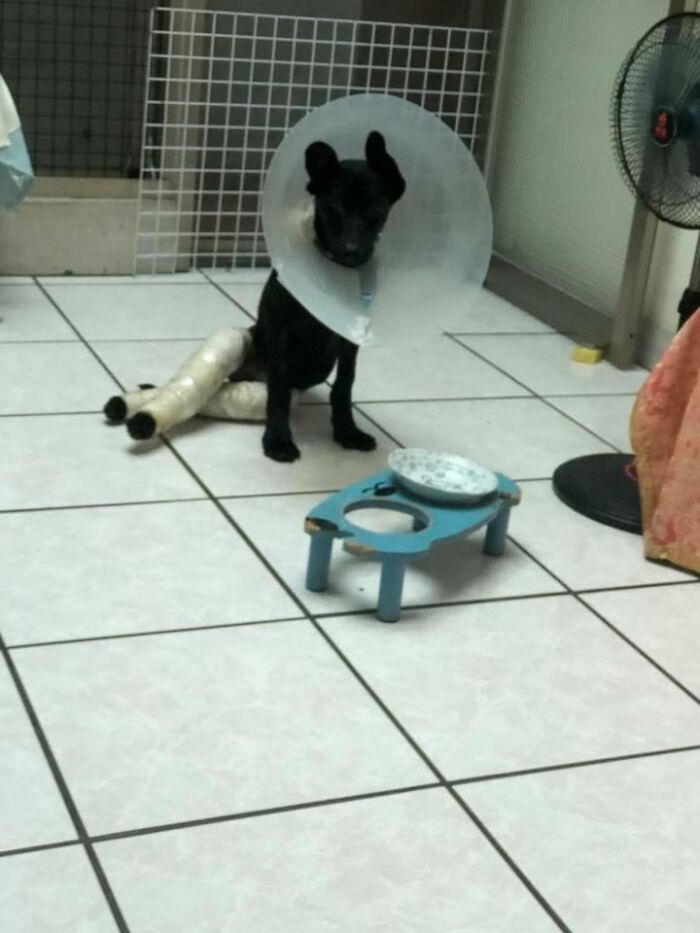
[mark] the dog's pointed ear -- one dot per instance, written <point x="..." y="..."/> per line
<point x="383" y="165"/>
<point x="322" y="166"/>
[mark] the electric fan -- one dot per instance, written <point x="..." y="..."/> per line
<point x="655" y="122"/>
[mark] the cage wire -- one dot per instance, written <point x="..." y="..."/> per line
<point x="76" y="69"/>
<point x="224" y="88"/>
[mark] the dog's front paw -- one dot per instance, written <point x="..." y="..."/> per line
<point x="354" y="439"/>
<point x="115" y="410"/>
<point x="281" y="449"/>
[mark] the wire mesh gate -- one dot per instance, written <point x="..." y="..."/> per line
<point x="224" y="88"/>
<point x="76" y="69"/>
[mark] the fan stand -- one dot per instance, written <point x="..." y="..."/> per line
<point x="604" y="487"/>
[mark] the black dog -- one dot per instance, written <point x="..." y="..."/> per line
<point x="293" y="348"/>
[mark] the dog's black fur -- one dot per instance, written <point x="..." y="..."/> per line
<point x="293" y="348"/>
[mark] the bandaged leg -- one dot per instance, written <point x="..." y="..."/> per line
<point x="200" y="386"/>
<point x="121" y="407"/>
<point x="233" y="401"/>
<point x="193" y="385"/>
<point x="238" y="401"/>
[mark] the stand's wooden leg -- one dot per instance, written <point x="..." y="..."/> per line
<point x="317" y="568"/>
<point x="497" y="530"/>
<point x="390" y="589"/>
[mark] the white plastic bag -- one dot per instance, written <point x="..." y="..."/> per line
<point x="16" y="175"/>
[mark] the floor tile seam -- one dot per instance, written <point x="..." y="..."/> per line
<point x="602" y="620"/>
<point x="63" y="789"/>
<point x="545" y="400"/>
<point x="370" y="692"/>
<point x="575" y="765"/>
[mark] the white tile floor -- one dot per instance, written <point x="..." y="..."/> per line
<point x="190" y="742"/>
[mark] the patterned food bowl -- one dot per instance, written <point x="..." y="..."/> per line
<point x="442" y="477"/>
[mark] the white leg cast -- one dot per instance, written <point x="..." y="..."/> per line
<point x="121" y="407"/>
<point x="198" y="379"/>
<point x="240" y="401"/>
<point x="135" y="400"/>
<point x="200" y="386"/>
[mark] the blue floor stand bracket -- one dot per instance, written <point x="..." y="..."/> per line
<point x="433" y="523"/>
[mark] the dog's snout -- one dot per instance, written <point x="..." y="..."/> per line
<point x="351" y="246"/>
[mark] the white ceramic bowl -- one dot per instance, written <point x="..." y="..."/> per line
<point x="442" y="477"/>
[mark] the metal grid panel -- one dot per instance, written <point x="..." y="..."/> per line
<point x="224" y="88"/>
<point x="76" y="71"/>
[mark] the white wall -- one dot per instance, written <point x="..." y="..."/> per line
<point x="561" y="209"/>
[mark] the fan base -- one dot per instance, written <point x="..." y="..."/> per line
<point x="602" y="487"/>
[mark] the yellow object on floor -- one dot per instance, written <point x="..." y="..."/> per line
<point x="586" y="354"/>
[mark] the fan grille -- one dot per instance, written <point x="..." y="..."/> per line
<point x="663" y="70"/>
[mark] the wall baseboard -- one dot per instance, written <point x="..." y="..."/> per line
<point x="567" y="314"/>
<point x="548" y="303"/>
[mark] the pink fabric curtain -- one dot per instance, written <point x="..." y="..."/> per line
<point x="665" y="432"/>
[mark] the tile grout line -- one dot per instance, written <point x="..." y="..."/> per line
<point x="579" y="599"/>
<point x="234" y="497"/>
<point x="454" y="783"/>
<point x="48" y="414"/>
<point x="592" y="591"/>
<point x="136" y="502"/>
<point x="40" y="847"/>
<point x="66" y="342"/>
<point x="311" y="403"/>
<point x="30" y="510"/>
<point x="128" y="280"/>
<point x="596" y="395"/>
<point x="316" y="403"/>
<point x="330" y="642"/>
<point x="506" y="333"/>
<point x="65" y="793"/>
<point x="249" y="542"/>
<point x="541" y="398"/>
<point x="210" y="495"/>
<point x="411" y="401"/>
<point x="78" y="334"/>
<point x="308" y="615"/>
<point x="508" y="859"/>
<point x="574" y="765"/>
<point x="359" y="613"/>
<point x="43" y="741"/>
<point x="356" y="404"/>
<point x="613" y="628"/>
<point x="555" y="332"/>
<point x="503" y="372"/>
<point x="99" y="838"/>
<point x="375" y="423"/>
<point x="230" y="298"/>
<point x="118" y="636"/>
<point x="192" y="338"/>
<point x="478" y="398"/>
<point x="193" y="629"/>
